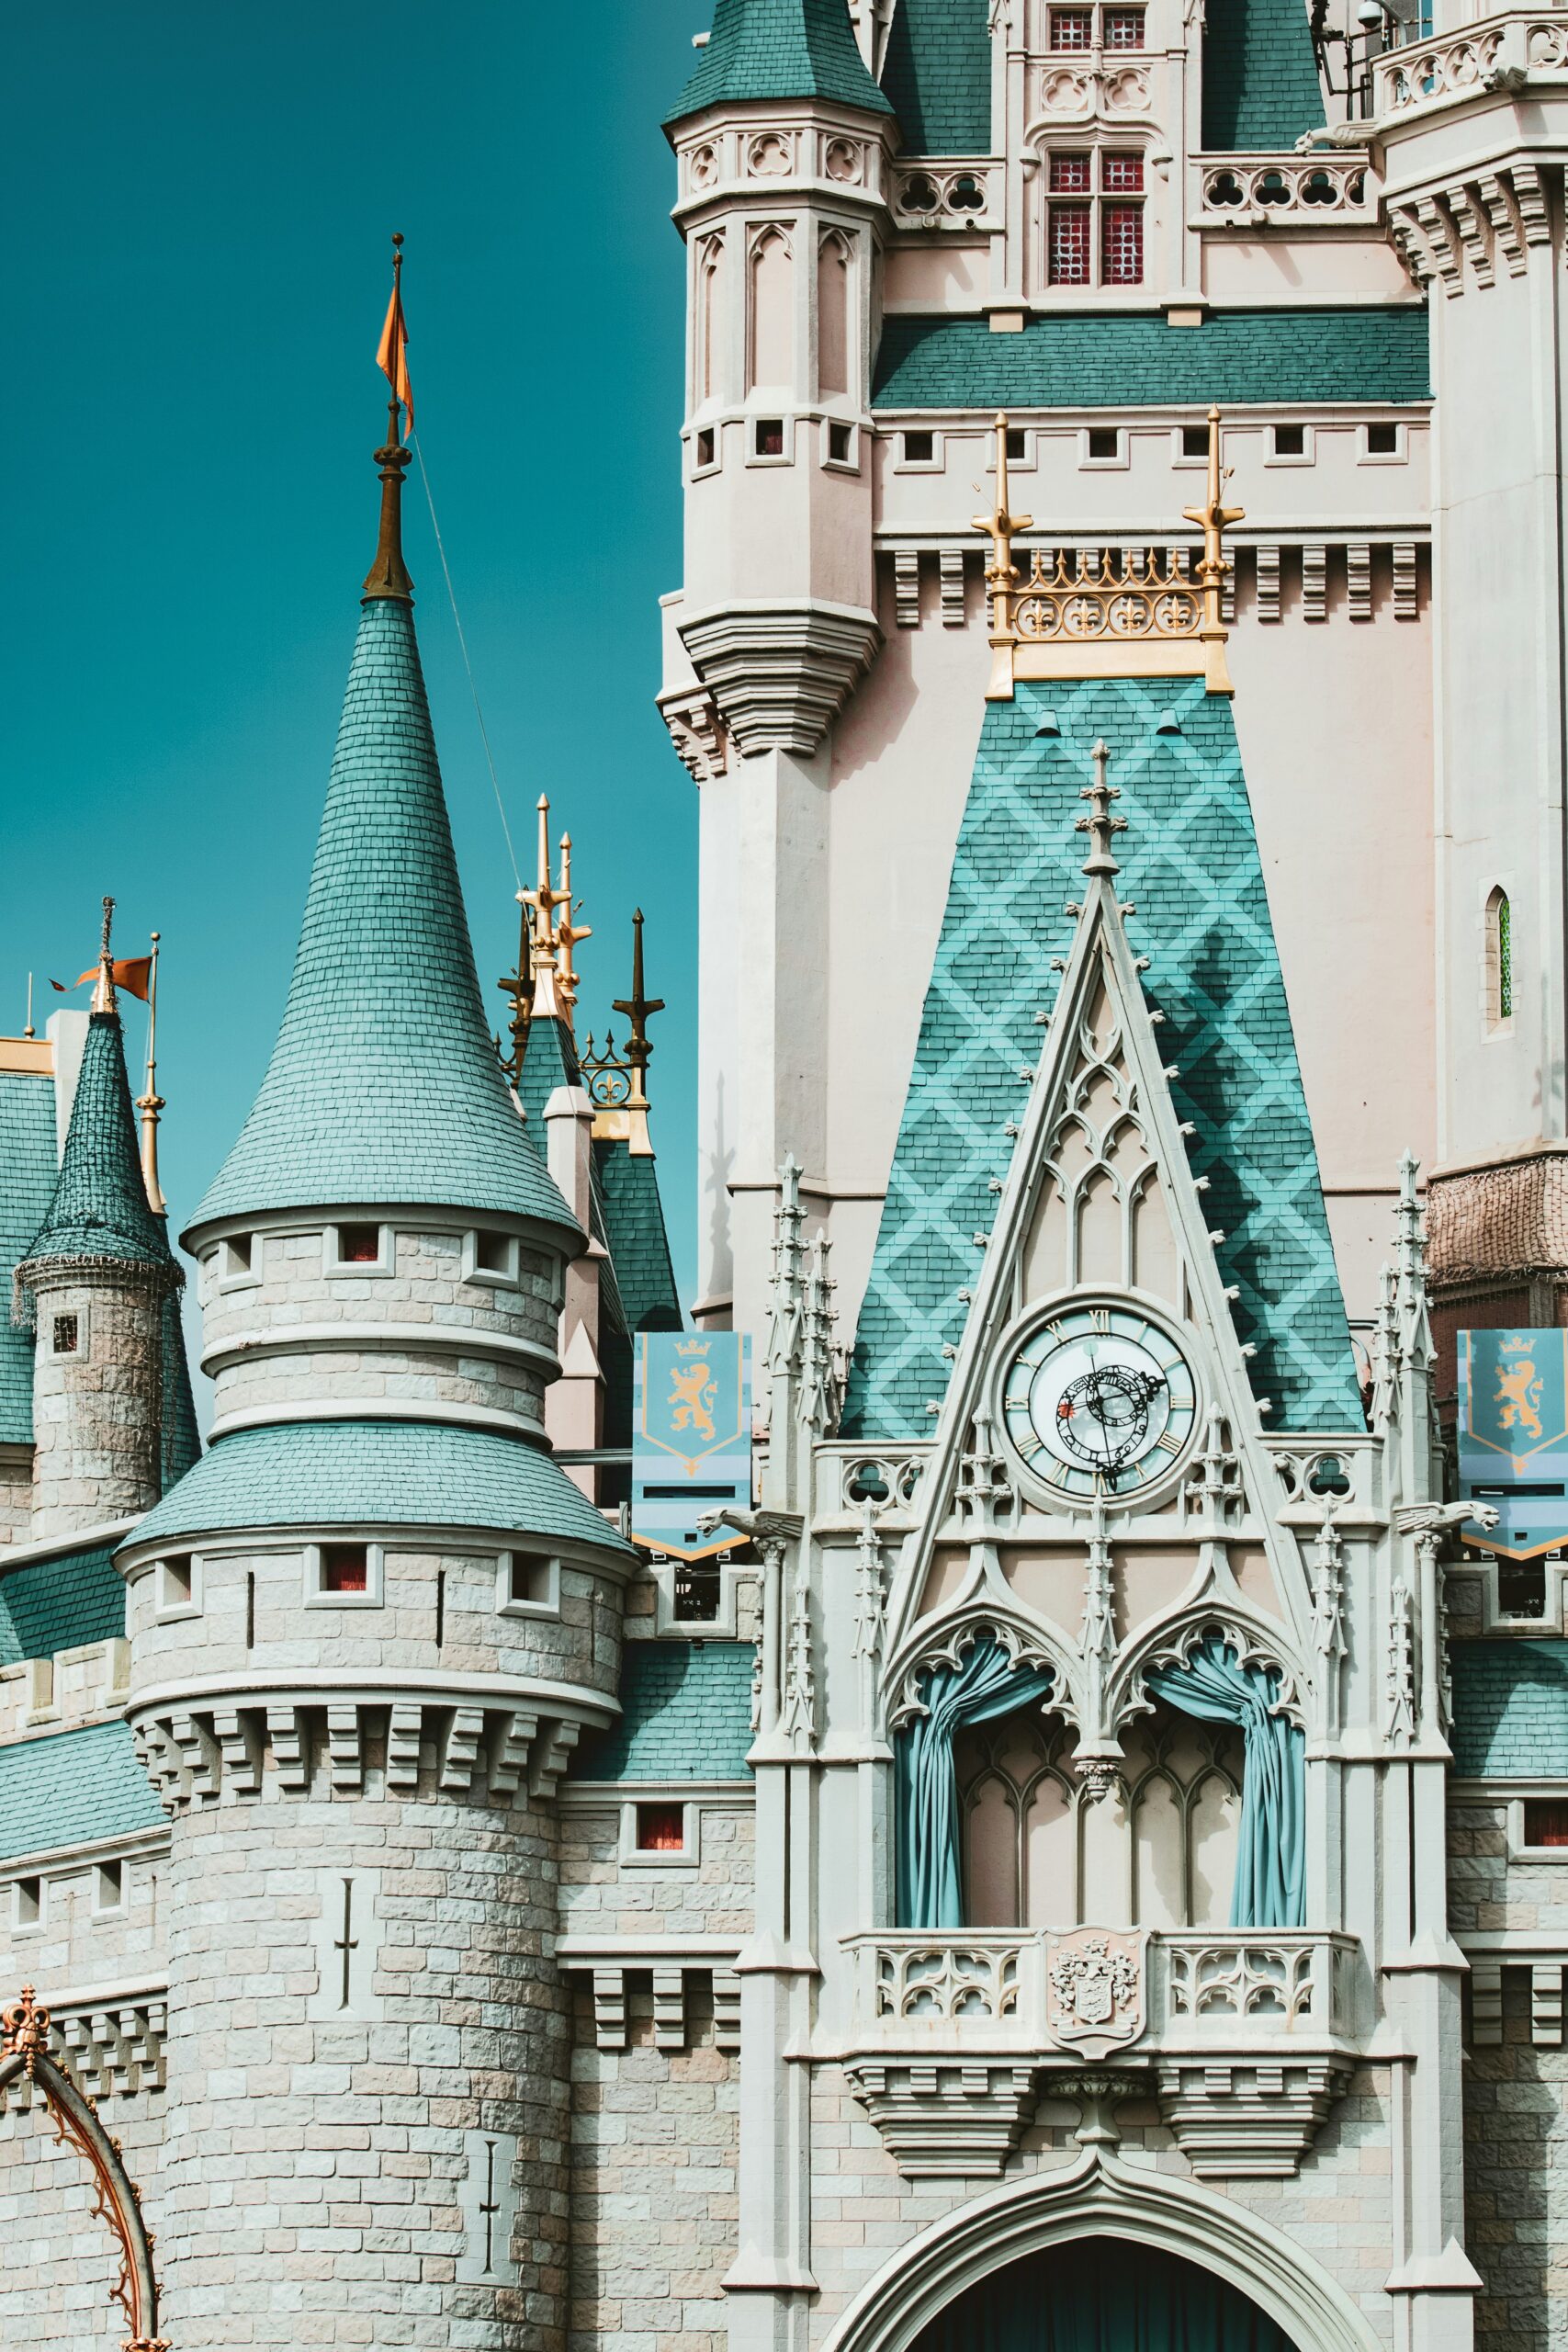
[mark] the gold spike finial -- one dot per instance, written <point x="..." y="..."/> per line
<point x="1213" y="518"/>
<point x="151" y="1102"/>
<point x="638" y="1010"/>
<point x="519" y="990"/>
<point x="568" y="931"/>
<point x="1001" y="573"/>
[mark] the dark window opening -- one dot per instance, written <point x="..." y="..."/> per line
<point x="239" y="1254"/>
<point x="1018" y="446"/>
<point x="770" y="436"/>
<point x="179" y="1583"/>
<point x="28" y="1902"/>
<point x="838" y="443"/>
<point x="1104" y="441"/>
<point x="1382" y="440"/>
<point x="695" y="1593"/>
<point x="1521" y="1588"/>
<point x="1546" y="1821"/>
<point x="110" y="1893"/>
<point x="493" y="1252"/>
<point x="919" y="448"/>
<point x="1194" y="440"/>
<point x="358" y="1245"/>
<point x="529" y="1578"/>
<point x="661" y="1830"/>
<point x="1289" y="441"/>
<point x="345" y="1568"/>
<point x="67" y="1335"/>
<point x="706" y="445"/>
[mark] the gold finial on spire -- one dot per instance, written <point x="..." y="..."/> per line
<point x="1100" y="824"/>
<point x="104" y="998"/>
<point x="151" y="1101"/>
<point x="616" y="1078"/>
<point x="1001" y="572"/>
<point x="1213" y="518"/>
<point x="388" y="575"/>
<point x="1108" y="612"/>
<point x="567" y="932"/>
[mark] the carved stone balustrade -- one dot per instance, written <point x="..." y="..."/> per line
<point x="1249" y="2036"/>
<point x="1288" y="191"/>
<point x="1501" y="52"/>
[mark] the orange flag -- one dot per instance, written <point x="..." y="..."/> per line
<point x="132" y="975"/>
<point x="392" y="351"/>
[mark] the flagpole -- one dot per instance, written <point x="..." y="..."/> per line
<point x="151" y="1102"/>
<point x="30" y="1031"/>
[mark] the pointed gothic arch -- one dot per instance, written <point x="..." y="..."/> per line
<point x="24" y="2049"/>
<point x="1099" y="2196"/>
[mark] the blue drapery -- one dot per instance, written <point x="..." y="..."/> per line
<point x="1271" y="1863"/>
<point x="1102" y="2295"/>
<point x="983" y="1684"/>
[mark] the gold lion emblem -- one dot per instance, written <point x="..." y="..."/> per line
<point x="1519" y="1392"/>
<point x="692" y="1386"/>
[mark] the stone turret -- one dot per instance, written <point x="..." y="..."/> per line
<point x="100" y="1283"/>
<point x="367" y="1631"/>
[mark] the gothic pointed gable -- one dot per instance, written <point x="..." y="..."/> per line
<point x="1190" y="869"/>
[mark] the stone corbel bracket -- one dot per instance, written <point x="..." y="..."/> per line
<point x="781" y="672"/>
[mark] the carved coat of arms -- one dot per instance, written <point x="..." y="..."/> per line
<point x="1095" y="1988"/>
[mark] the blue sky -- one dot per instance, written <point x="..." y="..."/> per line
<point x="199" y="207"/>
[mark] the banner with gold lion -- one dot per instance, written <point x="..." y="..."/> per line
<point x="691" y="1439"/>
<point x="1513" y="1436"/>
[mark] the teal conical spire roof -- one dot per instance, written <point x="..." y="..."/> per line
<point x="780" y="49"/>
<point x="383" y="1087"/>
<point x="99" y="1209"/>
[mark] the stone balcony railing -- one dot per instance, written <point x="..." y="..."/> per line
<point x="1499" y="53"/>
<point x="1287" y="191"/>
<point x="1245" y="2037"/>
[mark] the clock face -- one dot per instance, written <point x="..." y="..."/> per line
<point x="1098" y="1400"/>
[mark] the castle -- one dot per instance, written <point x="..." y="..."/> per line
<point x="1077" y="1863"/>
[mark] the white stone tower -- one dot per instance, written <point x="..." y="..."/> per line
<point x="368" y="1628"/>
<point x="783" y="206"/>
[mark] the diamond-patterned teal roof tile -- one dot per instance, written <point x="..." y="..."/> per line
<point x="28" y="1171"/>
<point x="1189" y="863"/>
<point x="780" y="49"/>
<point x="1133" y="359"/>
<point x="386" y="1473"/>
<point x="73" y="1786"/>
<point x="383" y="1086"/>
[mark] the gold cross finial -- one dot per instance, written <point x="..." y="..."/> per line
<point x="1001" y="575"/>
<point x="638" y="1010"/>
<point x="1214" y="519"/>
<point x="1099" y="824"/>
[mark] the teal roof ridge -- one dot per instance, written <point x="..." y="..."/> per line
<point x="99" y="1208"/>
<point x="384" y="1086"/>
<point x="376" y="1474"/>
<point x="1189" y="863"/>
<point x="780" y="49"/>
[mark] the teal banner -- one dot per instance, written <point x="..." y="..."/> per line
<point x="691" y="1439"/>
<point x="1513" y="1437"/>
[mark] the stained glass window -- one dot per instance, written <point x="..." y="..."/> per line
<point x="1072" y="27"/>
<point x="1505" y="959"/>
<point x="1123" y="28"/>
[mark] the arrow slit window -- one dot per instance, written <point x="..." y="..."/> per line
<point x="1499" y="960"/>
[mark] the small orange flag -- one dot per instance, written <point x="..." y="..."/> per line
<point x="133" y="975"/>
<point x="392" y="351"/>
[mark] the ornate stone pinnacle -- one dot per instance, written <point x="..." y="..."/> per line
<point x="24" y="2030"/>
<point x="1099" y="824"/>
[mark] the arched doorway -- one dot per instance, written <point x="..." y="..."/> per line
<point x="1102" y="2294"/>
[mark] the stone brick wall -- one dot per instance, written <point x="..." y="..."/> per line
<point x="60" y="2261"/>
<point x="98" y="1412"/>
<point x="654" y="2140"/>
<point x="1515" y="2182"/>
<point x="601" y="1895"/>
<point x="15" y="1495"/>
<point x="291" y="1284"/>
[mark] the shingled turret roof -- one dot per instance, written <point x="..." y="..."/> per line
<point x="99" y="1208"/>
<point x="383" y="1085"/>
<point x="780" y="49"/>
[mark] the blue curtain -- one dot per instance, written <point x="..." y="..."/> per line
<point x="1270" y="1865"/>
<point x="983" y="1684"/>
<point x="1102" y="2295"/>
